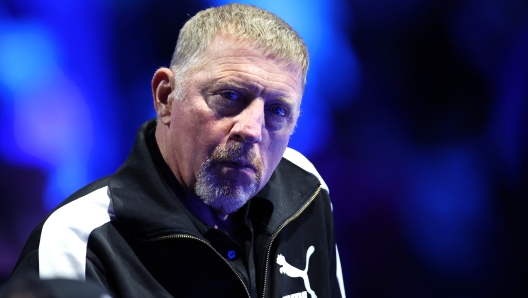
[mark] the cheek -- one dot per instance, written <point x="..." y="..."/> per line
<point x="277" y="147"/>
<point x="193" y="133"/>
<point x="275" y="150"/>
<point x="279" y="140"/>
<point x="206" y="134"/>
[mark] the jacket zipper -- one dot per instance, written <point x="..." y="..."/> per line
<point x="206" y="243"/>
<point x="293" y="217"/>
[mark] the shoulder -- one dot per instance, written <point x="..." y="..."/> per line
<point x="57" y="245"/>
<point x="302" y="162"/>
<point x="65" y="233"/>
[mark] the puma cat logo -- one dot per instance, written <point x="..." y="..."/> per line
<point x="294" y="272"/>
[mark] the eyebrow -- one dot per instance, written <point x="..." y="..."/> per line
<point x="287" y="100"/>
<point x="245" y="88"/>
<point x="233" y="84"/>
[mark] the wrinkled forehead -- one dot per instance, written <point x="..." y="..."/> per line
<point x="225" y="40"/>
<point x="223" y="45"/>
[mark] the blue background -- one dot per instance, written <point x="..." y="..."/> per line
<point x="415" y="114"/>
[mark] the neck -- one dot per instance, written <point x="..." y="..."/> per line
<point x="229" y="223"/>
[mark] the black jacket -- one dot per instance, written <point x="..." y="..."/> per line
<point x="130" y="232"/>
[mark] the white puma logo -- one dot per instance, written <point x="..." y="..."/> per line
<point x="294" y="272"/>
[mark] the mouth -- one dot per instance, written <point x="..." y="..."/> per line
<point x="239" y="164"/>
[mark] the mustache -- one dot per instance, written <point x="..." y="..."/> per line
<point x="238" y="153"/>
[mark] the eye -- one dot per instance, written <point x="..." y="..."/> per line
<point x="279" y="111"/>
<point x="230" y="95"/>
<point x="226" y="102"/>
<point x="277" y="116"/>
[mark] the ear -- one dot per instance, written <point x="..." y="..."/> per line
<point x="162" y="86"/>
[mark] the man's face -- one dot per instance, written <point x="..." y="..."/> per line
<point x="228" y="134"/>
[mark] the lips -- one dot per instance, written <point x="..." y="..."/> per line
<point x="239" y="164"/>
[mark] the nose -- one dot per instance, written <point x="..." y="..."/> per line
<point x="249" y="123"/>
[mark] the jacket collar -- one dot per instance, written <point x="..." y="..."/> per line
<point x="145" y="194"/>
<point x="288" y="189"/>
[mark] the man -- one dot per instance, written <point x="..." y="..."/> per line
<point x="210" y="202"/>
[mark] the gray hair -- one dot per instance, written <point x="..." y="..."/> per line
<point x="263" y="29"/>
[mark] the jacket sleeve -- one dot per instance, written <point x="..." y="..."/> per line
<point x="298" y="159"/>
<point x="96" y="274"/>
<point x="336" y="283"/>
<point x="339" y="287"/>
<point x="27" y="266"/>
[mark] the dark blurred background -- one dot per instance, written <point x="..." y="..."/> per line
<point x="415" y="114"/>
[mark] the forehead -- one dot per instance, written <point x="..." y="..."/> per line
<point x="229" y="58"/>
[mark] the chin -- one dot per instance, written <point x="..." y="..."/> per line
<point x="228" y="206"/>
<point x="226" y="196"/>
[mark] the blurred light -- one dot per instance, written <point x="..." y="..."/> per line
<point x="448" y="204"/>
<point x="510" y="125"/>
<point x="45" y="118"/>
<point x="27" y="55"/>
<point x="52" y="122"/>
